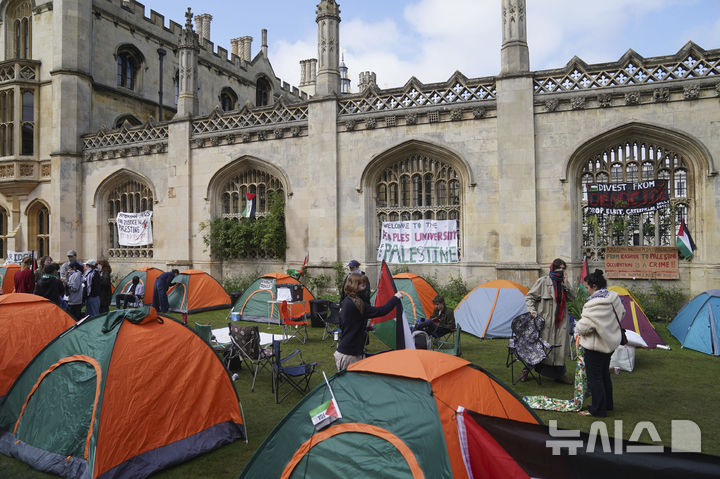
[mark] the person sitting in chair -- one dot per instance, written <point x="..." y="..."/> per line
<point x="441" y="322"/>
<point x="134" y="294"/>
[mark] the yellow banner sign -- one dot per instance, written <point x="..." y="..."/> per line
<point x="642" y="262"/>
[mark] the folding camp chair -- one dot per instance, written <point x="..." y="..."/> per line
<point x="205" y="332"/>
<point x="332" y="322"/>
<point x="292" y="327"/>
<point x="296" y="375"/>
<point x="246" y="347"/>
<point x="526" y="346"/>
<point x="449" y="343"/>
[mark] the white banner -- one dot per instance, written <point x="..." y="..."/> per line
<point x="134" y="229"/>
<point x="418" y="242"/>
<point x="16" y="257"/>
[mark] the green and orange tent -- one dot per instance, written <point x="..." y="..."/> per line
<point x="111" y="397"/>
<point x="147" y="277"/>
<point x="257" y="301"/>
<point x="7" y="277"/>
<point x="417" y="296"/>
<point x="27" y="324"/>
<point x="194" y="291"/>
<point x="488" y="310"/>
<point x="398" y="413"/>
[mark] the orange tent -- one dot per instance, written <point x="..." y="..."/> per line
<point x="113" y="398"/>
<point x="398" y="419"/>
<point x="27" y="324"/>
<point x="7" y="277"/>
<point x="194" y="291"/>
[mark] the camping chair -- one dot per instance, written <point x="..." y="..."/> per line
<point x="296" y="375"/>
<point x="205" y="332"/>
<point x="526" y="345"/>
<point x="332" y="322"/>
<point x="246" y="347"/>
<point x="134" y="300"/>
<point x="449" y="343"/>
<point x="292" y="327"/>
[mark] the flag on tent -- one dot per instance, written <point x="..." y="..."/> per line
<point x="398" y="336"/>
<point x="249" y="211"/>
<point x="327" y="412"/>
<point x="583" y="273"/>
<point x="684" y="242"/>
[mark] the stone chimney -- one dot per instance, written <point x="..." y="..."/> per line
<point x="514" y="54"/>
<point x="308" y="76"/>
<point x="236" y="46"/>
<point x="264" y="45"/>
<point x="202" y="24"/>
<point x="328" y="21"/>
<point x="366" y="80"/>
<point x="246" y="48"/>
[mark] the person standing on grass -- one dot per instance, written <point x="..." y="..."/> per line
<point x="354" y="316"/>
<point x="160" y="289"/>
<point x="49" y="286"/>
<point x="600" y="334"/>
<point x="74" y="290"/>
<point x="548" y="298"/>
<point x="25" y="278"/>
<point x="105" y="293"/>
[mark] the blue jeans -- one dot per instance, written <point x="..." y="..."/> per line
<point x="92" y="305"/>
<point x="160" y="300"/>
<point x="431" y="328"/>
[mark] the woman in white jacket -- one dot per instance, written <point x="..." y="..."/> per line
<point x="599" y="332"/>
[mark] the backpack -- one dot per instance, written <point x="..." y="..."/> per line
<point x="422" y="340"/>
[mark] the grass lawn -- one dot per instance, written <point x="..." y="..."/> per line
<point x="666" y="385"/>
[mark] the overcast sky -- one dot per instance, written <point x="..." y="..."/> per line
<point x="430" y="39"/>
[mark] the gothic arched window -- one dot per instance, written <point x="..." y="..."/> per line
<point x="39" y="228"/>
<point x="129" y="60"/>
<point x="19" y="20"/>
<point x="262" y="92"/>
<point x="228" y="99"/>
<point x="428" y="189"/>
<point x="634" y="160"/>
<point x="3" y="231"/>
<point x="128" y="195"/>
<point x="251" y="180"/>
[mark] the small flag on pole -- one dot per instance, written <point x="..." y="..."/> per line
<point x="583" y="273"/>
<point x="326" y="413"/>
<point x="249" y="211"/>
<point x="684" y="241"/>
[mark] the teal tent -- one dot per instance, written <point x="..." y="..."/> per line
<point x="697" y="325"/>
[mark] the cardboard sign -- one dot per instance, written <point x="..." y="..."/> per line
<point x="642" y="262"/>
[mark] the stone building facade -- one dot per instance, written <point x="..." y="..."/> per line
<point x="505" y="155"/>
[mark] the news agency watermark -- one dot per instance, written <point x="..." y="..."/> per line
<point x="685" y="437"/>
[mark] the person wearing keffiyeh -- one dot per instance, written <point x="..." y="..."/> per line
<point x="548" y="298"/>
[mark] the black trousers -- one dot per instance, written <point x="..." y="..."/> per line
<point x="597" y="366"/>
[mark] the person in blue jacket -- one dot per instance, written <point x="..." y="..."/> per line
<point x="162" y="284"/>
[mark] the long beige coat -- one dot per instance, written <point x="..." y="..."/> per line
<point x="541" y="300"/>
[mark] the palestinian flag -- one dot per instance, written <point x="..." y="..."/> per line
<point x="583" y="273"/>
<point x="325" y="414"/>
<point x="249" y="211"/>
<point x="496" y="447"/>
<point x="684" y="241"/>
<point x="392" y="329"/>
